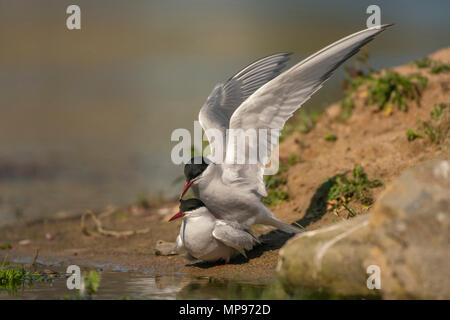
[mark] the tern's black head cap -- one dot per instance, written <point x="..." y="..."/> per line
<point x="195" y="167"/>
<point x="190" y="204"/>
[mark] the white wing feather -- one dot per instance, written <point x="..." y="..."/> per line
<point x="276" y="101"/>
<point x="226" y="98"/>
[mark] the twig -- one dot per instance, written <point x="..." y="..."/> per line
<point x="109" y="233"/>
<point x="33" y="263"/>
<point x="352" y="213"/>
<point x="298" y="224"/>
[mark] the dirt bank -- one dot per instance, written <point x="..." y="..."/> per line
<point x="375" y="139"/>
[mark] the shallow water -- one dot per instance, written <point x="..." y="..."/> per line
<point x="134" y="285"/>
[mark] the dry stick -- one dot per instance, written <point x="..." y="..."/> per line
<point x="109" y="233"/>
<point x="33" y="263"/>
<point x="109" y="211"/>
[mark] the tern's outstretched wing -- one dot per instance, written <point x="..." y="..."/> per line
<point x="233" y="235"/>
<point x="275" y="102"/>
<point x="226" y="98"/>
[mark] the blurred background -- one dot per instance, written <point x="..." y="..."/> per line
<point x="86" y="115"/>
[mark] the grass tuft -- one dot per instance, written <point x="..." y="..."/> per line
<point x="330" y="136"/>
<point x="343" y="189"/>
<point x="412" y="135"/>
<point x="435" y="66"/>
<point x="92" y="282"/>
<point x="13" y="278"/>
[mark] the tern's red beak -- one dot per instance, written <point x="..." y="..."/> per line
<point x="186" y="187"/>
<point x="177" y="215"/>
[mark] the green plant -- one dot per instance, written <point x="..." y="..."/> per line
<point x="293" y="160"/>
<point x="13" y="278"/>
<point x="330" y="136"/>
<point x="351" y="84"/>
<point x="422" y="63"/>
<point x="412" y="135"/>
<point x="342" y="189"/>
<point x="433" y="133"/>
<point x="437" y="111"/>
<point x="92" y="282"/>
<point x="275" y="197"/>
<point x="275" y="184"/>
<point x="307" y="121"/>
<point x="389" y="88"/>
<point x="440" y="68"/>
<point x="5" y="246"/>
<point x="396" y="89"/>
<point x="436" y="66"/>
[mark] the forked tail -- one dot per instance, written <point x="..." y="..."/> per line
<point x="280" y="225"/>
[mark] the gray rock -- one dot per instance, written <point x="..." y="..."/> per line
<point x="407" y="235"/>
<point x="164" y="248"/>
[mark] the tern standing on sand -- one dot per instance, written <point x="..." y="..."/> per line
<point x="258" y="97"/>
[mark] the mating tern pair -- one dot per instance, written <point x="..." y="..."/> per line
<point x="258" y="97"/>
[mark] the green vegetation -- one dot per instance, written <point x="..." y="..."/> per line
<point x="395" y="88"/>
<point x="92" y="282"/>
<point x="307" y="121"/>
<point x="13" y="278"/>
<point x="422" y="63"/>
<point x="275" y="197"/>
<point x="437" y="110"/>
<point x="391" y="88"/>
<point x="302" y="122"/>
<point x="412" y="135"/>
<point x="330" y="136"/>
<point x="429" y="128"/>
<point x="276" y="184"/>
<point x="385" y="90"/>
<point x="5" y="246"/>
<point x="436" y="66"/>
<point x="343" y="189"/>
<point x="433" y="132"/>
<point x="293" y="160"/>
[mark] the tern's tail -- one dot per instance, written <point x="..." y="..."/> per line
<point x="284" y="226"/>
<point x="269" y="219"/>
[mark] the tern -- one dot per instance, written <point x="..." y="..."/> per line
<point x="210" y="239"/>
<point x="258" y="97"/>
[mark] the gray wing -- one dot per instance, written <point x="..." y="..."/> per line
<point x="225" y="98"/>
<point x="275" y="102"/>
<point x="234" y="236"/>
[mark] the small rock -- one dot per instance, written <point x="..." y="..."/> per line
<point x="24" y="242"/>
<point x="48" y="236"/>
<point x="164" y="248"/>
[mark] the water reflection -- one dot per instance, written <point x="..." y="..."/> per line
<point x="131" y="285"/>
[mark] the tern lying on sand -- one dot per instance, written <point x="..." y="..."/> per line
<point x="209" y="239"/>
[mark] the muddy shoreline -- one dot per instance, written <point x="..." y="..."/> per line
<point x="374" y="139"/>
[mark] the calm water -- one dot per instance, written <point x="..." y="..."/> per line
<point x="86" y="116"/>
<point x="133" y="285"/>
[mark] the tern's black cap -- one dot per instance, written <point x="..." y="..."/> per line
<point x="190" y="204"/>
<point x="195" y="167"/>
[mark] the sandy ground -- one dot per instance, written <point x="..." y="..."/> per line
<point x="373" y="139"/>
